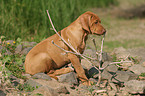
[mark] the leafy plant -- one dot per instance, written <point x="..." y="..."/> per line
<point x="25" y="87"/>
<point x="134" y="59"/>
<point x="142" y="74"/>
<point x="12" y="61"/>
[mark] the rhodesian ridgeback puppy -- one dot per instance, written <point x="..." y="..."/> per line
<point x="48" y="58"/>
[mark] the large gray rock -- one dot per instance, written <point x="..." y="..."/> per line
<point x="51" y="87"/>
<point x="137" y="69"/>
<point x="48" y="91"/>
<point x="121" y="53"/>
<point x="33" y="83"/>
<point x="124" y="76"/>
<point x="44" y="91"/>
<point x="70" y="78"/>
<point x="41" y="76"/>
<point x="139" y="53"/>
<point x="135" y="86"/>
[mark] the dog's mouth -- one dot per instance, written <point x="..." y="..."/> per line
<point x="99" y="34"/>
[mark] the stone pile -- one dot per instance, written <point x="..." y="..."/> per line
<point x="125" y="80"/>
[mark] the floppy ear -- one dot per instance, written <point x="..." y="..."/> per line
<point x="85" y="20"/>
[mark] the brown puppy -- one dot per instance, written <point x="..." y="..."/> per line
<point x="46" y="57"/>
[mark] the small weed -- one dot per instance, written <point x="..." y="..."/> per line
<point x="25" y="87"/>
<point x="13" y="62"/>
<point x="134" y="59"/>
<point x="142" y="74"/>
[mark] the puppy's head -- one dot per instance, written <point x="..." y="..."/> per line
<point x="92" y="24"/>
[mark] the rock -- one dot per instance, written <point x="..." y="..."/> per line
<point x="26" y="50"/>
<point x="92" y="72"/>
<point x="135" y="87"/>
<point x="18" y="49"/>
<point x="85" y="90"/>
<point x="47" y="91"/>
<point x="137" y="69"/>
<point x="41" y="76"/>
<point x="112" y="93"/>
<point x="123" y="92"/>
<point x="62" y="89"/>
<point x="85" y="64"/>
<point x="90" y="52"/>
<point x="106" y="75"/>
<point x="113" y="86"/>
<point x="33" y="83"/>
<point x="70" y="78"/>
<point x="139" y="53"/>
<point x="52" y="87"/>
<point x="44" y="91"/>
<point x="106" y="57"/>
<point x="121" y="53"/>
<point x="110" y="68"/>
<point x="2" y="93"/>
<point x="123" y="76"/>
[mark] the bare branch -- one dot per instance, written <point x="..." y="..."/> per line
<point x="115" y="63"/>
<point x="100" y="55"/>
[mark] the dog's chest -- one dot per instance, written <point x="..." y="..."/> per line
<point x="82" y="45"/>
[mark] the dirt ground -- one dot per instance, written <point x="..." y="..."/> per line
<point x="125" y="24"/>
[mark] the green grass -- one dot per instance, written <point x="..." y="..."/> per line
<point x="28" y="20"/>
<point x="110" y="45"/>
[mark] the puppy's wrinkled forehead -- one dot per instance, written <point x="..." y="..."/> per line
<point x="95" y="17"/>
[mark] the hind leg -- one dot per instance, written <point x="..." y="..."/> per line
<point x="54" y="73"/>
<point x="39" y="63"/>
